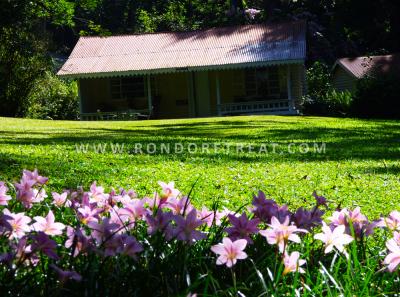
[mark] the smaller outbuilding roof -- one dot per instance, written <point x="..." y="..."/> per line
<point x="217" y="48"/>
<point x="361" y="66"/>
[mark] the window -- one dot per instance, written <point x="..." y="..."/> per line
<point x="265" y="83"/>
<point x="127" y="88"/>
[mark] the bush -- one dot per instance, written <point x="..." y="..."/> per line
<point x="53" y="98"/>
<point x="333" y="103"/>
<point x="377" y="96"/>
<point x="322" y="98"/>
<point x="82" y="243"/>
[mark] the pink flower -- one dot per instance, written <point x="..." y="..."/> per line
<point x="229" y="252"/>
<point x="336" y="238"/>
<point x="34" y="176"/>
<point x="65" y="275"/>
<point x="307" y="219"/>
<point x="242" y="227"/>
<point x="3" y="194"/>
<point x="97" y="195"/>
<point x="392" y="260"/>
<point x="264" y="209"/>
<point x="103" y="230"/>
<point x="392" y="221"/>
<point x="88" y="214"/>
<point x="61" y="199"/>
<point x="124" y="199"/>
<point x="133" y="210"/>
<point x="280" y="234"/>
<point x="19" y="223"/>
<point x="38" y="196"/>
<point x="293" y="263"/>
<point x="48" y="225"/>
<point x="112" y="245"/>
<point x="179" y="206"/>
<point x="160" y="222"/>
<point x="42" y="243"/>
<point x="25" y="192"/>
<point x="356" y="216"/>
<point x="353" y="220"/>
<point x="206" y="216"/>
<point x="211" y="216"/>
<point x="168" y="190"/>
<point x="76" y="240"/>
<point x="252" y="12"/>
<point x="339" y="217"/>
<point x="321" y="200"/>
<point x="186" y="227"/>
<point x="23" y="252"/>
<point x="116" y="217"/>
<point x="130" y="246"/>
<point x="154" y="202"/>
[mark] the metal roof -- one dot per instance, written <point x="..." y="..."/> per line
<point x="218" y="48"/>
<point x="360" y="66"/>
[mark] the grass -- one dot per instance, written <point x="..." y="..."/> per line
<point x="360" y="166"/>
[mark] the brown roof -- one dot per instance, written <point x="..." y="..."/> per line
<point x="361" y="66"/>
<point x="176" y="51"/>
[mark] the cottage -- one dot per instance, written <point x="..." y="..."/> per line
<point x="347" y="71"/>
<point x="251" y="69"/>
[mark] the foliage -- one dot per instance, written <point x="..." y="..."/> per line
<point x="322" y="98"/>
<point x="318" y="78"/>
<point x="377" y="96"/>
<point x="22" y="60"/>
<point x="35" y="28"/>
<point x="23" y="48"/>
<point x="361" y="159"/>
<point x="333" y="103"/>
<point x="52" y="98"/>
<point x="339" y="102"/>
<point x="77" y="243"/>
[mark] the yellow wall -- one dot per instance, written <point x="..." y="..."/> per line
<point x="180" y="95"/>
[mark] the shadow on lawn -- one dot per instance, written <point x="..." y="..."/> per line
<point x="379" y="141"/>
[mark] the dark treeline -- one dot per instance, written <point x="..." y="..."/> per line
<point x="35" y="34"/>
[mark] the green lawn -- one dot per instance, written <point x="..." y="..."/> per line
<point x="359" y="167"/>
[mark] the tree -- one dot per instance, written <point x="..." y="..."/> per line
<point x="23" y="45"/>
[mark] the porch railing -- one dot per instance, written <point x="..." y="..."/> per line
<point x="116" y="116"/>
<point x="271" y="106"/>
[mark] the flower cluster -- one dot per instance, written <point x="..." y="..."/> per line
<point x="120" y="224"/>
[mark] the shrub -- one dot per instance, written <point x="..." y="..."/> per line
<point x="377" y="96"/>
<point x="82" y="243"/>
<point x="322" y="98"/>
<point x="333" y="103"/>
<point x="53" y="98"/>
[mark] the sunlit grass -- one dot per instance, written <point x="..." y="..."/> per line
<point x="359" y="167"/>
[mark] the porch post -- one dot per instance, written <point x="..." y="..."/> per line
<point x="149" y="101"/>
<point x="289" y="87"/>
<point x="218" y="88"/>
<point x="80" y="99"/>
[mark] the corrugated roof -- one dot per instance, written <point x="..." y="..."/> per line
<point x="217" y="48"/>
<point x="361" y="66"/>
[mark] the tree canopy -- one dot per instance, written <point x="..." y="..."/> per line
<point x="32" y="32"/>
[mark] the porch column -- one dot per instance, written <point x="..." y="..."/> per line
<point x="289" y="87"/>
<point x="80" y="99"/>
<point x="218" y="88"/>
<point x="149" y="101"/>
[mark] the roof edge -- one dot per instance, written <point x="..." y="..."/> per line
<point x="180" y="69"/>
<point x="344" y="67"/>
